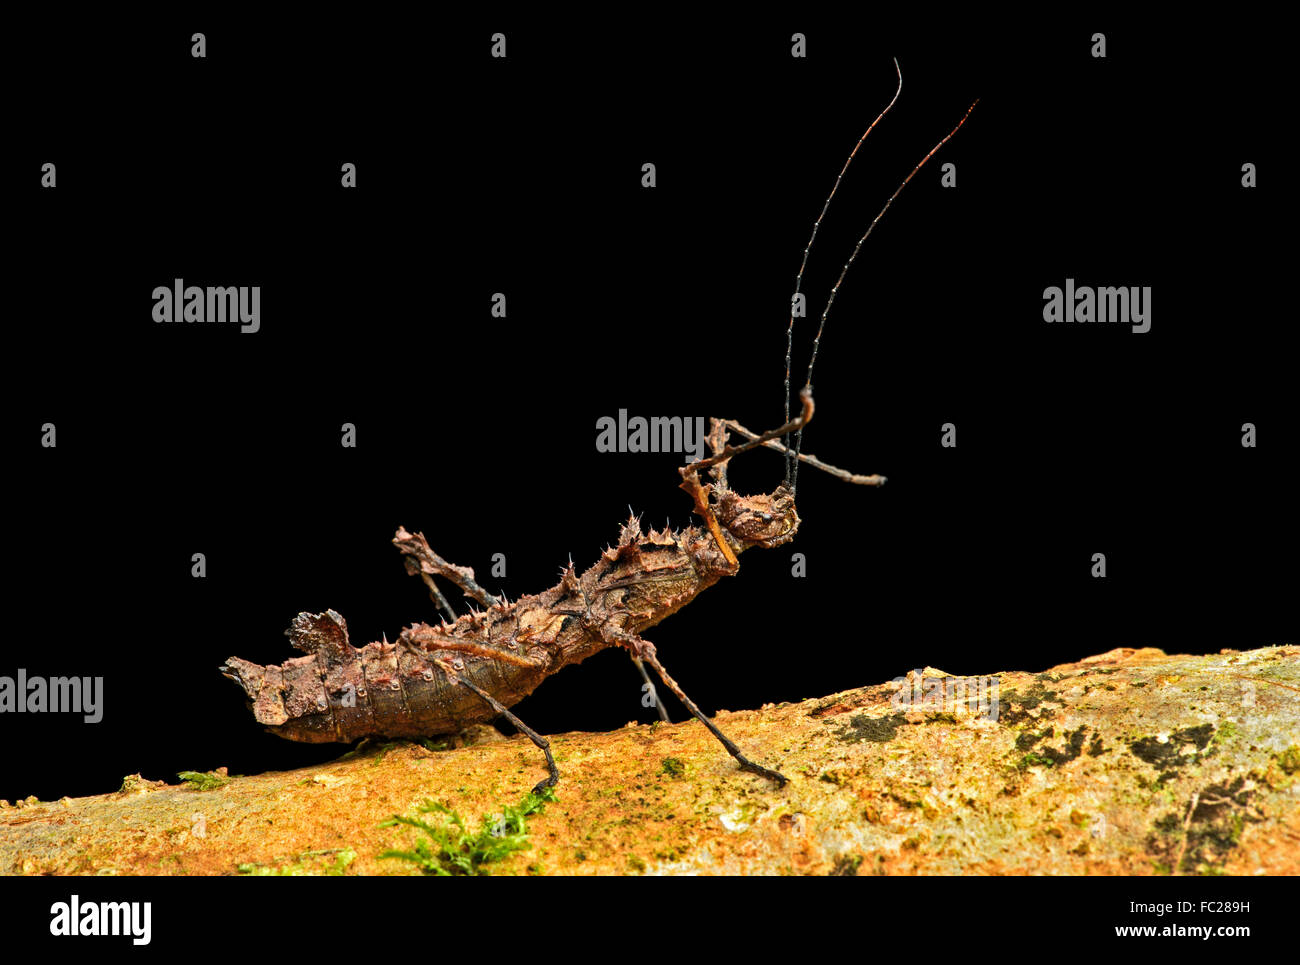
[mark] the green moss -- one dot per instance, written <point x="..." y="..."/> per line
<point x="879" y="729"/>
<point x="1227" y="730"/>
<point x="308" y="863"/>
<point x="1207" y="835"/>
<point x="381" y="751"/>
<point x="1015" y="707"/>
<point x="674" y="767"/>
<point x="1049" y="755"/>
<point x="131" y="784"/>
<point x="1169" y="755"/>
<point x="1037" y="693"/>
<point x="1169" y="823"/>
<point x="203" y="780"/>
<point x="1072" y="749"/>
<point x="636" y="864"/>
<point x="452" y="849"/>
<point x="1028" y="738"/>
<point x="847" y="864"/>
<point x="942" y="718"/>
<point x="1289" y="759"/>
<point x="356" y="750"/>
<point x="1032" y="760"/>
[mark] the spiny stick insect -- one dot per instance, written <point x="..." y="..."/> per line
<point x="472" y="668"/>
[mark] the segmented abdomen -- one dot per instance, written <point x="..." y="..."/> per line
<point x="342" y="693"/>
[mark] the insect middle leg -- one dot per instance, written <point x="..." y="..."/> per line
<point x="659" y="704"/>
<point x="636" y="660"/>
<point x="646" y="651"/>
<point x="421" y="559"/>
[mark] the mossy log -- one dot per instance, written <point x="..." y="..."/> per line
<point x="1130" y="762"/>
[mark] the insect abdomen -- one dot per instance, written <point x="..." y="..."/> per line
<point x="342" y="693"/>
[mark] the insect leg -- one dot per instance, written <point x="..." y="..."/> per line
<point x="717" y="440"/>
<point x="691" y="474"/>
<point x="646" y="650"/>
<point x="422" y="638"/>
<point x="500" y="708"/>
<point x="726" y="452"/>
<point x="421" y="559"/>
<point x="659" y="704"/>
<point x="439" y="600"/>
<point x="810" y="459"/>
<point x="691" y="483"/>
<point x="589" y="621"/>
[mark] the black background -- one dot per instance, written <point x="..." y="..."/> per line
<point x="479" y="176"/>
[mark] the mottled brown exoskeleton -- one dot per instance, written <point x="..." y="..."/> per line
<point x="473" y="668"/>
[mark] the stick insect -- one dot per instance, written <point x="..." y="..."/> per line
<point x="473" y="667"/>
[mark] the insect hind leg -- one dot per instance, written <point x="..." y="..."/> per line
<point x="646" y="651"/>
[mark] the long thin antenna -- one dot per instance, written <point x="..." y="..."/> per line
<point x="789" y="332"/>
<point x="798" y="444"/>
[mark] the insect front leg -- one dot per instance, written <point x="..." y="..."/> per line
<point x="421" y="559"/>
<point x="646" y="651"/>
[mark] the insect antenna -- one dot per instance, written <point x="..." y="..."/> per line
<point x="790" y="461"/>
<point x="793" y="460"/>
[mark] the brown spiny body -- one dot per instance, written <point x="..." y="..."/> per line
<point x="410" y="688"/>
<point x="439" y="679"/>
